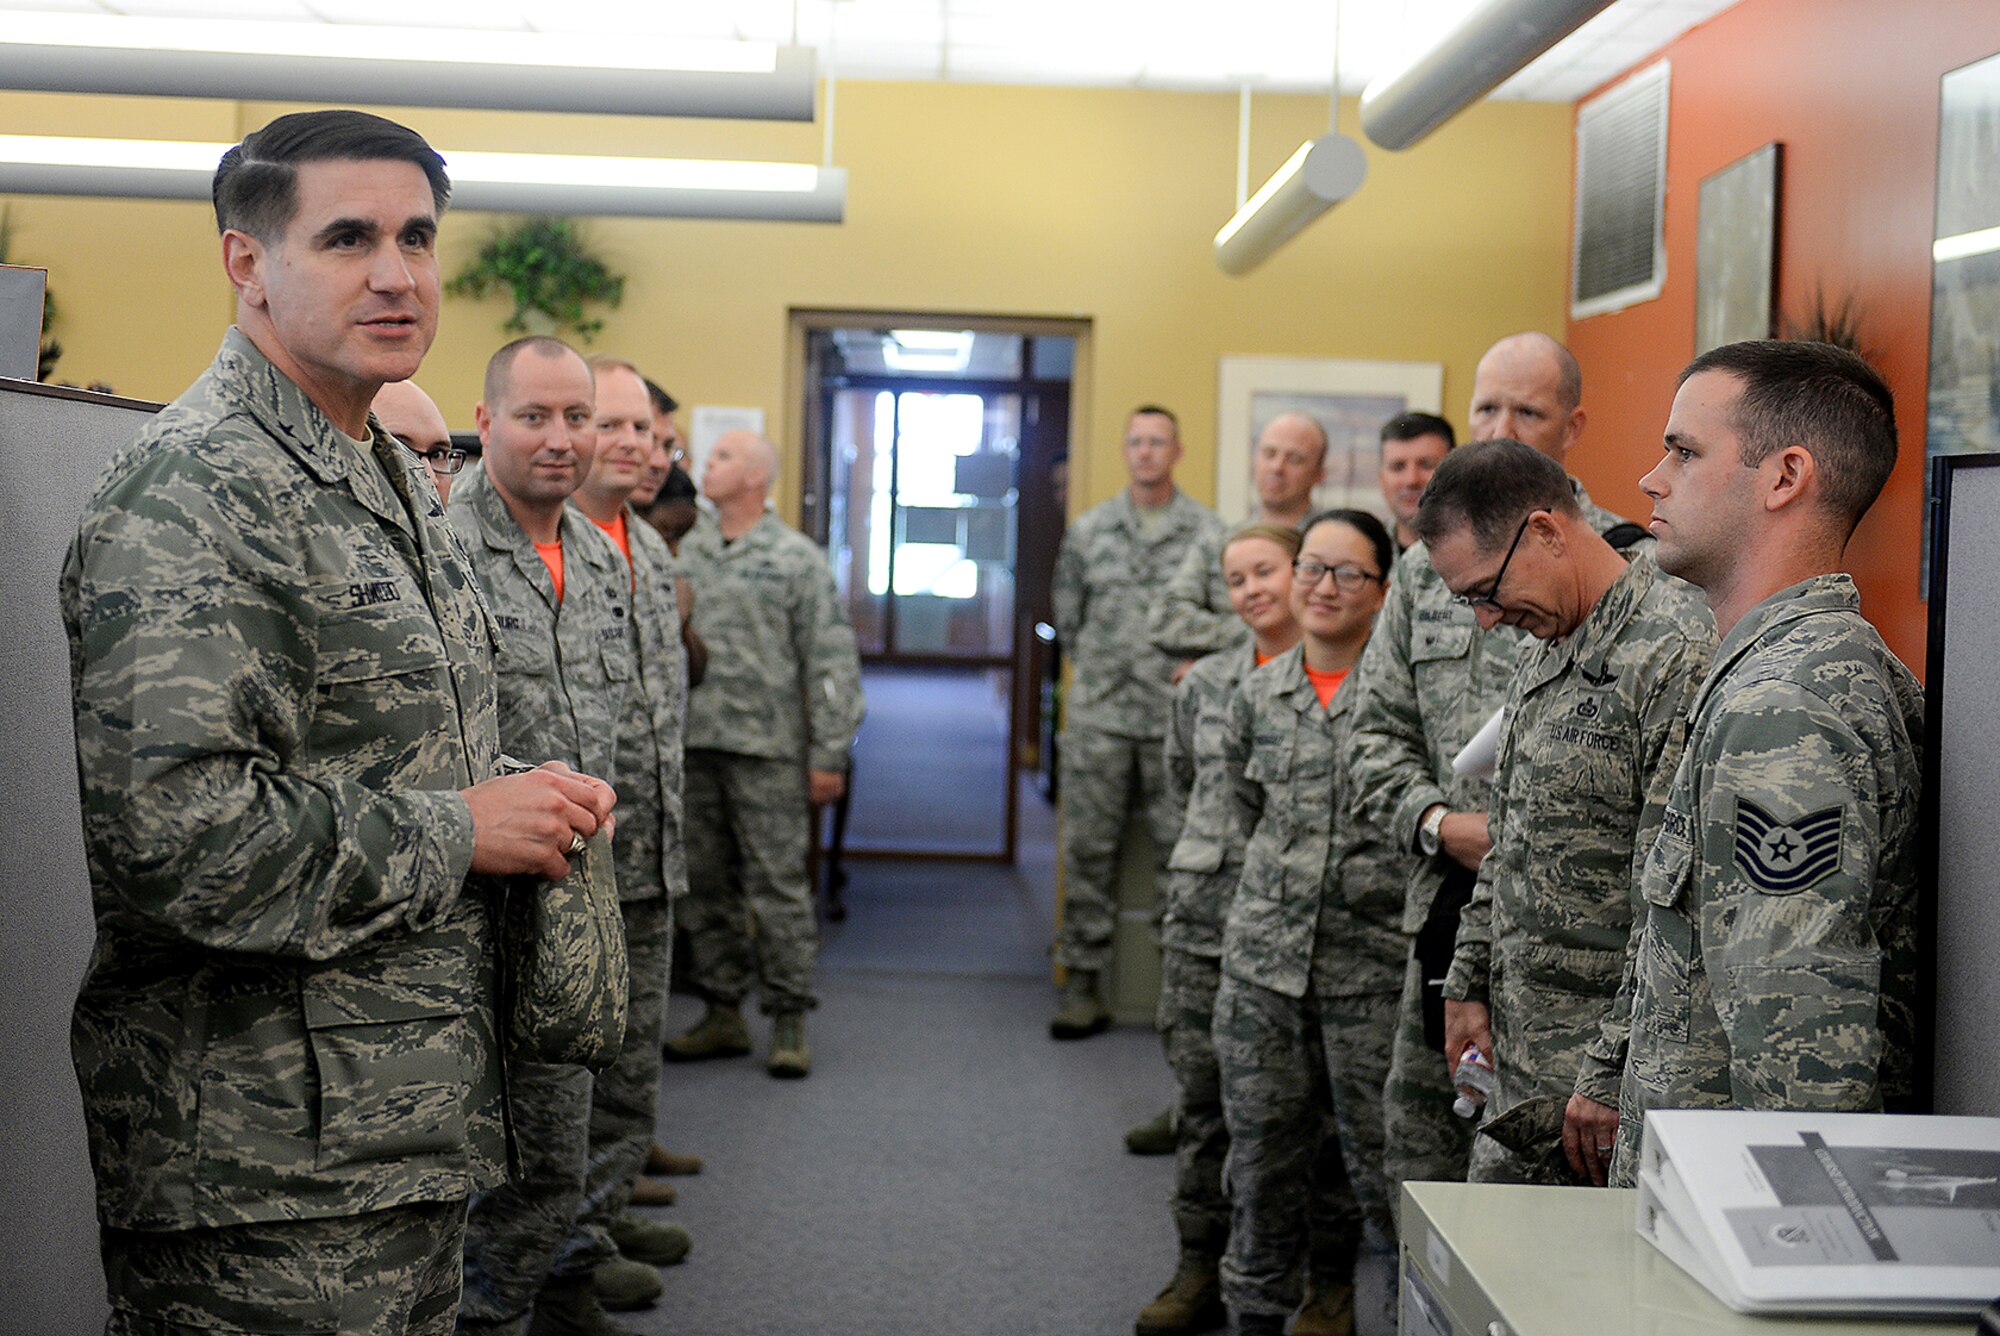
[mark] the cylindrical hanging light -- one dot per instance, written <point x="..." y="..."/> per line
<point x="1494" y="43"/>
<point x="1322" y="173"/>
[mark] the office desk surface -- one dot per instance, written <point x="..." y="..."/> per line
<point x="1557" y="1261"/>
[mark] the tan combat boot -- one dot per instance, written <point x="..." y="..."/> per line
<point x="1192" y="1301"/>
<point x="626" y="1286"/>
<point x="720" y="1033"/>
<point x="1329" y="1311"/>
<point x="1155" y="1136"/>
<point x="570" y="1307"/>
<point x="664" y="1163"/>
<point x="657" y="1242"/>
<point x="652" y="1192"/>
<point x="1081" y="1014"/>
<point x="790" y="1057"/>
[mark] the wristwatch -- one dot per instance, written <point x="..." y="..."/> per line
<point x="1431" y="828"/>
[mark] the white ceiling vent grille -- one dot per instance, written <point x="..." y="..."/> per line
<point x="1619" y="256"/>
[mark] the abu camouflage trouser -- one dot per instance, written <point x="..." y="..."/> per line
<point x="1293" y="1209"/>
<point x="1541" y="1029"/>
<point x="749" y="912"/>
<point x="515" y="1231"/>
<point x="1425" y="1140"/>
<point x="1186" y="1020"/>
<point x="625" y="1097"/>
<point x="1104" y="779"/>
<point x="385" y="1273"/>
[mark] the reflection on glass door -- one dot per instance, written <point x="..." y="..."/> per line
<point x="922" y="514"/>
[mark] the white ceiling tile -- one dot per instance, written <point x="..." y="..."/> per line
<point x="1275" y="45"/>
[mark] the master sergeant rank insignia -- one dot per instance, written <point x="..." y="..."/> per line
<point x="1786" y="857"/>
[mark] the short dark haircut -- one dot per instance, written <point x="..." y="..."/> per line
<point x="1796" y="392"/>
<point x="1490" y="487"/>
<point x="663" y="403"/>
<point x="256" y="186"/>
<point x="1369" y="528"/>
<point x="1415" y="426"/>
<point x="500" y="366"/>
<point x="1154" y="410"/>
<point x="678" y="486"/>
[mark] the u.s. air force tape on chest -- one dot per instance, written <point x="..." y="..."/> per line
<point x="1786" y="857"/>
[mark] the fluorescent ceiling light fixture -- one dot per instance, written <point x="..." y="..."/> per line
<point x="497" y="182"/>
<point x="1323" y="172"/>
<point x="1965" y="245"/>
<point x="344" y="64"/>
<point x="934" y="340"/>
<point x="1494" y="43"/>
<point x="928" y="350"/>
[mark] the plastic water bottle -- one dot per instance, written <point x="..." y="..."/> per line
<point x="1474" y="1081"/>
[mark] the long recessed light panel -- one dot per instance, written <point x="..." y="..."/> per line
<point x="342" y="64"/>
<point x="496" y="182"/>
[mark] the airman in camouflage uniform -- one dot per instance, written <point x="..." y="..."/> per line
<point x="1202" y="870"/>
<point x="1777" y="968"/>
<point x="1113" y="560"/>
<point x="1593" y="715"/>
<point x="287" y="750"/>
<point x="1312" y="960"/>
<point x="770" y="728"/>
<point x="1192" y="617"/>
<point x="1429" y="679"/>
<point x="567" y="668"/>
<point x="648" y="845"/>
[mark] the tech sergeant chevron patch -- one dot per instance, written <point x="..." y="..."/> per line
<point x="1786" y="857"/>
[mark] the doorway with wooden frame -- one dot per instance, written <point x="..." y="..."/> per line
<point x="931" y="447"/>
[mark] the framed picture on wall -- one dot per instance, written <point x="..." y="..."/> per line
<point x="1351" y="399"/>
<point x="1736" y="251"/>
<point x="1964" y="398"/>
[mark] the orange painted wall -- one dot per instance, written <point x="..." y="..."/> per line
<point x="1850" y="87"/>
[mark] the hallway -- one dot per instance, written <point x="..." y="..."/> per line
<point x="948" y="1169"/>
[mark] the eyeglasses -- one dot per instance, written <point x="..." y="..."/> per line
<point x="1347" y="577"/>
<point x="1490" y="598"/>
<point x="440" y="459"/>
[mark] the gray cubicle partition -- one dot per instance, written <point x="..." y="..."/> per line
<point x="1962" y="784"/>
<point x="53" y="445"/>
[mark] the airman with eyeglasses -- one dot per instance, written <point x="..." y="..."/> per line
<point x="1433" y="675"/>
<point x="1591" y="737"/>
<point x="412" y="417"/>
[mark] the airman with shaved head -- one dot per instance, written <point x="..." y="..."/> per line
<point x="412" y="417"/>
<point x="1192" y="617"/>
<point x="768" y="737"/>
<point x="561" y="597"/>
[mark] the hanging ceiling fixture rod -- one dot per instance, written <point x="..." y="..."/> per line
<point x="1319" y="175"/>
<point x="343" y="64"/>
<point x="1494" y="43"/>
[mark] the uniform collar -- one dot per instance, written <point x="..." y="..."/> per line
<point x="1808" y="598"/>
<point x="1589" y="646"/>
<point x="1170" y="515"/>
<point x="475" y="495"/>
<point x="289" y="417"/>
<point x="1299" y="690"/>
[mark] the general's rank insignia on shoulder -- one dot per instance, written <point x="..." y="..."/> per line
<point x="1786" y="857"/>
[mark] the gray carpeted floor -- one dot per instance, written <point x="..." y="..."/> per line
<point x="947" y="1168"/>
<point x="930" y="762"/>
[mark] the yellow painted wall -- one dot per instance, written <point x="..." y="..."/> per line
<point x="973" y="199"/>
